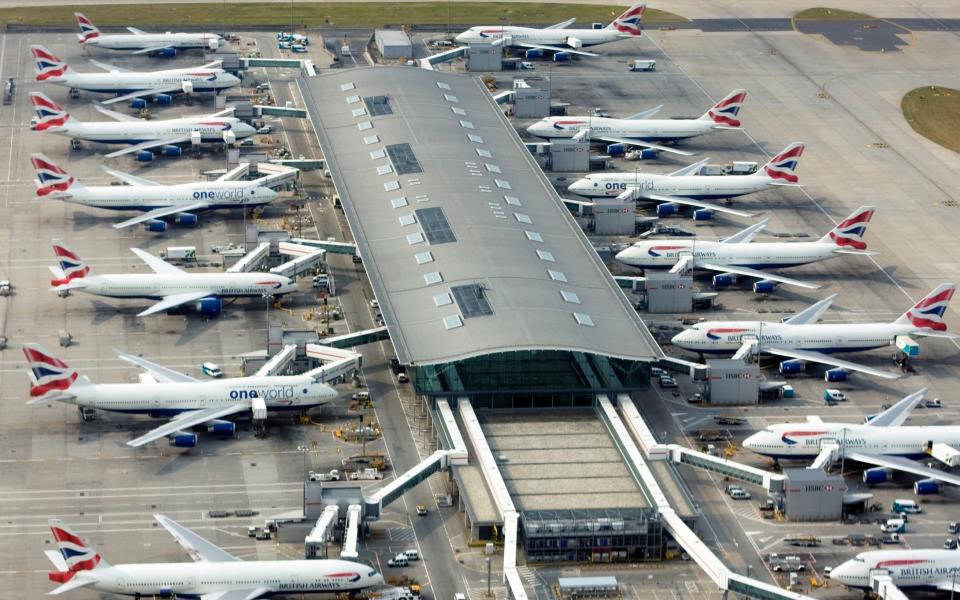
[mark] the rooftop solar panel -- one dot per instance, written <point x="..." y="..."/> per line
<point x="403" y="159"/>
<point x="435" y="226"/>
<point x="378" y="105"/>
<point x="472" y="300"/>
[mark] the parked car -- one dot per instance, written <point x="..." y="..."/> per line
<point x="421" y="510"/>
<point x="399" y="560"/>
<point x="740" y="495"/>
<point x="667" y="381"/>
<point x="211" y="370"/>
<point x="402" y="378"/>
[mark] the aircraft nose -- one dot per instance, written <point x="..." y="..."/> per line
<point x="578" y="186"/>
<point x="751" y="442"/>
<point x="269" y="193"/>
<point x="461" y="38"/>
<point x="624" y="255"/>
<point x="536" y="129"/>
<point x="681" y="339"/>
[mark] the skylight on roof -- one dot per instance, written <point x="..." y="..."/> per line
<point x="557" y="275"/>
<point x="451" y="98"/>
<point x="433" y="277"/>
<point x="399" y="202"/>
<point x="424" y="258"/>
<point x="407" y="220"/>
<point x="493" y="168"/>
<point x="484" y="153"/>
<point x="523" y="218"/>
<point x="346" y="87"/>
<point x="378" y="154"/>
<point x="458" y="111"/>
<point x="569" y="297"/>
<point x="546" y="255"/>
<point x="533" y="236"/>
<point x="364" y="125"/>
<point x="475" y="138"/>
<point x="443" y="86"/>
<point x="353" y="99"/>
<point x="583" y="319"/>
<point x="452" y="322"/>
<point x="513" y="200"/>
<point x="384" y="169"/>
<point x="466" y="124"/>
<point x="391" y="186"/>
<point x="503" y="184"/>
<point x="371" y="139"/>
<point x="442" y="299"/>
<point x="415" y="238"/>
<point x="359" y="112"/>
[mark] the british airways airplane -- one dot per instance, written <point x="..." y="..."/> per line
<point x="928" y="569"/>
<point x="642" y="130"/>
<point x="801" y="339"/>
<point x="216" y="574"/>
<point x="557" y="38"/>
<point x="132" y="85"/>
<point x="163" y="392"/>
<point x="141" y="42"/>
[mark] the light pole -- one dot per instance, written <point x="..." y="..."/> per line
<point x="488" y="550"/>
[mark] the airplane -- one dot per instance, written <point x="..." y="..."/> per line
<point x="883" y="441"/>
<point x="134" y="86"/>
<point x="930" y="569"/>
<point x="163" y="392"/>
<point x="140" y="42"/>
<point x="216" y="574"/>
<point x="686" y="187"/>
<point x="640" y="129"/>
<point x="158" y="201"/>
<point x="557" y="38"/>
<point x="171" y="285"/>
<point x="801" y="339"/>
<point x="737" y="255"/>
<point x="143" y="135"/>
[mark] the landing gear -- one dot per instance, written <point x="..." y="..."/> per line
<point x="86" y="413"/>
<point x="75" y="144"/>
<point x="74" y="93"/>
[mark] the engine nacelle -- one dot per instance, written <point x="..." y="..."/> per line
<point x="723" y="280"/>
<point x="616" y="149"/>
<point x="666" y="209"/>
<point x="562" y="57"/>
<point x="876" y="475"/>
<point x="172" y="151"/>
<point x="702" y="214"/>
<point x="223" y="428"/>
<point x="649" y="154"/>
<point x="155" y="226"/>
<point x="789" y="367"/>
<point x="533" y="53"/>
<point x="209" y="307"/>
<point x="183" y="440"/>
<point x="138" y="104"/>
<point x="144" y="156"/>
<point x="167" y="53"/>
<point x="163" y="99"/>
<point x="764" y="287"/>
<point x="187" y="219"/>
<point x="836" y="375"/>
<point x="213" y="44"/>
<point x="925" y="487"/>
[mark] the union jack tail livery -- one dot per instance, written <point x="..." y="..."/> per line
<point x="629" y="22"/>
<point x="76" y="555"/>
<point x="928" y="313"/>
<point x="724" y="113"/>
<point x="782" y="168"/>
<point x="88" y="30"/>
<point x="71" y="267"/>
<point x="850" y="231"/>
<point x="51" y="179"/>
<point x="47" y="373"/>
<point x="49" y="113"/>
<point x="49" y="66"/>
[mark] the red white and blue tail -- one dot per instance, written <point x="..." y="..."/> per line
<point x="49" y="113"/>
<point x="49" y="66"/>
<point x="928" y="313"/>
<point x="71" y="267"/>
<point x="77" y="555"/>
<point x="47" y="372"/>
<point x="88" y="30"/>
<point x="782" y="168"/>
<point x="849" y="233"/>
<point x="724" y="113"/>
<point x="629" y="22"/>
<point x="51" y="179"/>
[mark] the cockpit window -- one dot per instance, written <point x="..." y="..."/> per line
<point x="372" y="573"/>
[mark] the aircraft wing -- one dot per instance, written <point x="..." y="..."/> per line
<point x="173" y="301"/>
<point x="160" y="90"/>
<point x="643" y="144"/>
<point x="196" y="546"/>
<point x="128" y="178"/>
<point x="687" y="202"/>
<point x="902" y="464"/>
<point x="108" y="67"/>
<point x="764" y="275"/>
<point x="745" y="235"/>
<point x="814" y="419"/>
<point x="826" y="359"/>
<point x="689" y="169"/>
<point x="160" y="373"/>
<point x="158" y="265"/>
<point x="812" y="313"/>
<point x="136" y="31"/>
<point x="150" y="49"/>
<point x="563" y="25"/>
<point x="947" y="585"/>
<point x="148" y="145"/>
<point x="114" y="114"/>
<point x="555" y="49"/>
<point x="161" y="212"/>
<point x="238" y="594"/>
<point x="185" y="420"/>
<point x="898" y="413"/>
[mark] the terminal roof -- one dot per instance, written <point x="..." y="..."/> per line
<point x="467" y="245"/>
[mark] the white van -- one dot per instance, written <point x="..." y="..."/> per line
<point x="740" y="494"/>
<point x="399" y="560"/>
<point x="894" y="526"/>
<point x="411" y="554"/>
<point x="906" y="506"/>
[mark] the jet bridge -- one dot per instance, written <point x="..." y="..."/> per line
<point x="251" y="260"/>
<point x="883" y="586"/>
<point x="351" y="533"/>
<point x="305" y="259"/>
<point x="328" y="245"/>
<point x="315" y="545"/>
<point x="336" y="362"/>
<point x="435" y="59"/>
<point x="279" y="360"/>
<point x="358" y="338"/>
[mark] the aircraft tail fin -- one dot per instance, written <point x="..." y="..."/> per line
<point x="629" y="22"/>
<point x="783" y="166"/>
<point x="849" y="232"/>
<point x="50" y="177"/>
<point x="928" y="312"/>
<point x="75" y="557"/>
<point x="49" y="66"/>
<point x="725" y="113"/>
<point x="88" y="30"/>
<point x="71" y="266"/>
<point x="49" y="113"/>
<point x="47" y="373"/>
